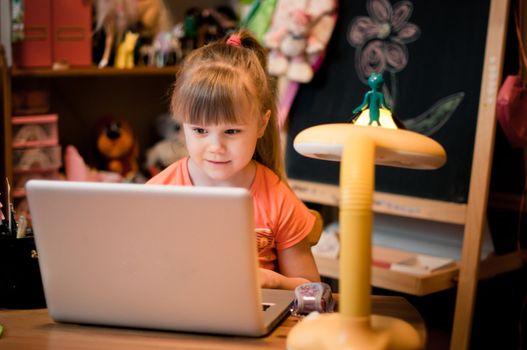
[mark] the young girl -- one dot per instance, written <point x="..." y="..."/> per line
<point x="226" y="104"/>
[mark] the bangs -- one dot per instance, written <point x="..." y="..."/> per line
<point x="213" y="95"/>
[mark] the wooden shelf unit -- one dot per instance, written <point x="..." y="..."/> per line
<point x="6" y="168"/>
<point x="92" y="72"/>
<point x="471" y="216"/>
<point x="80" y="95"/>
<point x="411" y="207"/>
<point x="397" y="205"/>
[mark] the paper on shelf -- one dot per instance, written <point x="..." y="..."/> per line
<point x="385" y="257"/>
<point x="421" y="264"/>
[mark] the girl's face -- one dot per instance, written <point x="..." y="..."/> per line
<point x="221" y="154"/>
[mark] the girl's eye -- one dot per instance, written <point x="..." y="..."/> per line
<point x="232" y="131"/>
<point x="199" y="131"/>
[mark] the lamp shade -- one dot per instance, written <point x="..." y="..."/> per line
<point x="393" y="147"/>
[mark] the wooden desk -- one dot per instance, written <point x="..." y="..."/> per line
<point x="33" y="329"/>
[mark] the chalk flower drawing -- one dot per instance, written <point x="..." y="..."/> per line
<point x="380" y="41"/>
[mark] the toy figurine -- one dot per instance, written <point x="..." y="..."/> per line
<point x="115" y="17"/>
<point x="76" y="169"/>
<point x="374" y="99"/>
<point x="118" y="147"/>
<point x="288" y="49"/>
<point x="298" y="36"/>
<point x="125" y="51"/>
<point x="373" y="111"/>
<point x="169" y="149"/>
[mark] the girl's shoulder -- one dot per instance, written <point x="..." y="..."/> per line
<point x="264" y="175"/>
<point x="266" y="180"/>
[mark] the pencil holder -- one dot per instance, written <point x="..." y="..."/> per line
<point x="20" y="281"/>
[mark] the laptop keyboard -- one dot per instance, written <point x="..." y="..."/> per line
<point x="266" y="306"/>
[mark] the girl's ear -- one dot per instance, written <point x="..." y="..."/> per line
<point x="263" y="123"/>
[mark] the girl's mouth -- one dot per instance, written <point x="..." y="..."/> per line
<point x="218" y="162"/>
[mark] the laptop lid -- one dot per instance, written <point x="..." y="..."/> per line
<point x="149" y="256"/>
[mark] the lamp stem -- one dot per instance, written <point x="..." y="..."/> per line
<point x="357" y="177"/>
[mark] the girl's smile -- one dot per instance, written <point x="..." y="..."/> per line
<point x="218" y="162"/>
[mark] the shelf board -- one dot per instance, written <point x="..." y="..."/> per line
<point x="92" y="71"/>
<point x="385" y="203"/>
<point x="439" y="280"/>
<point x="397" y="281"/>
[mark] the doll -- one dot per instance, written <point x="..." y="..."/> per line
<point x="117" y="145"/>
<point x="169" y="149"/>
<point x="118" y="16"/>
<point x="298" y="35"/>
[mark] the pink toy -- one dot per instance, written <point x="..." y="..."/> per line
<point x="297" y="40"/>
<point x="77" y="170"/>
<point x="298" y="36"/>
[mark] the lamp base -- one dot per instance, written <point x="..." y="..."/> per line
<point x="334" y="331"/>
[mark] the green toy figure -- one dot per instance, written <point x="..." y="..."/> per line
<point x="373" y="99"/>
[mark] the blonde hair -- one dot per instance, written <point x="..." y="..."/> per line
<point x="217" y="78"/>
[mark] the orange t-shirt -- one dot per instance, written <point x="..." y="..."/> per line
<point x="281" y="219"/>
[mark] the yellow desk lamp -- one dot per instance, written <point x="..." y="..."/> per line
<point x="359" y="146"/>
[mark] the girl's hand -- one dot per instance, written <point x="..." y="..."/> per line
<point x="269" y="279"/>
<point x="273" y="280"/>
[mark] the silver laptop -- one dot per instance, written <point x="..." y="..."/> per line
<point x="147" y="256"/>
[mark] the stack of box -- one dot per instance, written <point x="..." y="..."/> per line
<point x="55" y="31"/>
<point x="36" y="154"/>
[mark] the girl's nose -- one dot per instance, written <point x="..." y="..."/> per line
<point x="216" y="144"/>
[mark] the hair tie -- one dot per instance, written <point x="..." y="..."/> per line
<point x="234" y="40"/>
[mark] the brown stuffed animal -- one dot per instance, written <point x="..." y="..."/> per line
<point x="117" y="144"/>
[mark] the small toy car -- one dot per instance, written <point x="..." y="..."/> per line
<point x="314" y="296"/>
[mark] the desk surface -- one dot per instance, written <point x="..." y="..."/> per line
<point x="34" y="329"/>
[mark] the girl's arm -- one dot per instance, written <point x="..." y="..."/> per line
<point x="296" y="265"/>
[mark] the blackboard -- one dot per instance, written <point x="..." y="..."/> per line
<point x="444" y="62"/>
